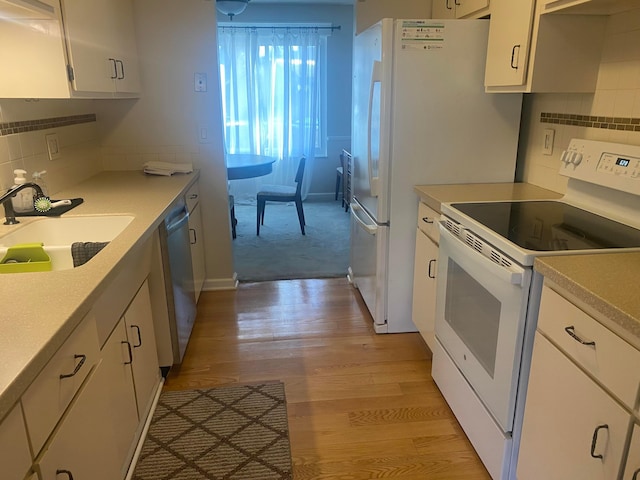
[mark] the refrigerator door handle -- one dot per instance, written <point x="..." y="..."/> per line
<point x="370" y="229"/>
<point x="376" y="77"/>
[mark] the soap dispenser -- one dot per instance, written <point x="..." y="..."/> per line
<point x="23" y="200"/>
<point x="38" y="178"/>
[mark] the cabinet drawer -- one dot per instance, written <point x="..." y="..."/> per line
<point x="192" y="197"/>
<point x="48" y="396"/>
<point x="603" y="354"/>
<point x="15" y="456"/>
<point x="428" y="221"/>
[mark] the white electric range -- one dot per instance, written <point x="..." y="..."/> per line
<point x="488" y="294"/>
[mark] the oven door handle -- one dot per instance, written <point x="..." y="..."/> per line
<point x="513" y="274"/>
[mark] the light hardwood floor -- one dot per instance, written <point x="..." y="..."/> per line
<point x="360" y="405"/>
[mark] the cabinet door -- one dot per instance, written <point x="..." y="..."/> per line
<point x="197" y="249"/>
<point x="146" y="372"/>
<point x="117" y="357"/>
<point x="443" y="9"/>
<point x="15" y="456"/>
<point x="509" y="40"/>
<point x="125" y="48"/>
<point x="32" y="53"/>
<point x="572" y="427"/>
<point x="84" y="444"/>
<point x="424" y="286"/>
<point x="632" y="470"/>
<point x="89" y="27"/>
<point x="464" y="8"/>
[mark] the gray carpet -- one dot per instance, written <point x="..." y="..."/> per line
<point x="282" y="252"/>
<point x="239" y="432"/>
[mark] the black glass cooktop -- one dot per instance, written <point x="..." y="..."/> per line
<point x="551" y="225"/>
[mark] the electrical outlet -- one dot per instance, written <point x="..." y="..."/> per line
<point x="547" y="145"/>
<point x="53" y="145"/>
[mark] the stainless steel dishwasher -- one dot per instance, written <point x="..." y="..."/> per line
<point x="178" y="278"/>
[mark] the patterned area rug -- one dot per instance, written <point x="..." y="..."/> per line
<point x="238" y="432"/>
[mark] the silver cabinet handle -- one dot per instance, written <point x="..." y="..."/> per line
<point x="66" y="472"/>
<point x="572" y="333"/>
<point x="431" y="273"/>
<point x="195" y="236"/>
<point x="119" y="62"/>
<point x="594" y="440"/>
<point x="447" y="5"/>
<point x="139" y="336"/>
<point x="115" y="68"/>
<point x="193" y="196"/>
<point x="82" y="358"/>
<point x="427" y="220"/>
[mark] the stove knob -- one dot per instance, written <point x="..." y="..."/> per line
<point x="564" y="157"/>
<point x="577" y="159"/>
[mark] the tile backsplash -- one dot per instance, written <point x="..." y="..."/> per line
<point x="23" y="127"/>
<point x="611" y="113"/>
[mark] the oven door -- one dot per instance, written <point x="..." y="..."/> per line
<point x="480" y="318"/>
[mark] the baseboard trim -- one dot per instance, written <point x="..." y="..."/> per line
<point x="221" y="283"/>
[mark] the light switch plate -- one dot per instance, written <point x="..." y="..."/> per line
<point x="547" y="144"/>
<point x="53" y="145"/>
<point x="200" y="82"/>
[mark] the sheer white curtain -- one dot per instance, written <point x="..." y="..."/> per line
<point x="270" y="81"/>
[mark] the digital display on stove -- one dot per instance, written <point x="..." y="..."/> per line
<point x="544" y="225"/>
<point x="623" y="162"/>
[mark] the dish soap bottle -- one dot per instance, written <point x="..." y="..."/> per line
<point x="23" y="200"/>
<point x="38" y="178"/>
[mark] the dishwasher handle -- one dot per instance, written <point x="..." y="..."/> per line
<point x="177" y="221"/>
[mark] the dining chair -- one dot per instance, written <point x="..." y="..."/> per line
<point x="234" y="220"/>
<point x="282" y="193"/>
<point x="339" y="178"/>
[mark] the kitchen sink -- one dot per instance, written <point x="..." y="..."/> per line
<point x="59" y="233"/>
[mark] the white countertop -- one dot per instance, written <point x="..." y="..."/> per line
<point x="39" y="310"/>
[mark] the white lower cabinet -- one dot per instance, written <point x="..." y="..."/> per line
<point x="196" y="238"/>
<point x="83" y="445"/>
<point x="144" y="362"/>
<point x="15" y="456"/>
<point x="117" y="358"/>
<point x="423" y="312"/>
<point x="572" y="427"/>
<point x="86" y="411"/>
<point x="424" y="286"/>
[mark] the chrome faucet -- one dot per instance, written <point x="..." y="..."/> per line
<point x="9" y="213"/>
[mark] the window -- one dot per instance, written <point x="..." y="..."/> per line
<point x="273" y="82"/>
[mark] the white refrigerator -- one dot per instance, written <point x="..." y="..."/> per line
<point x="420" y="116"/>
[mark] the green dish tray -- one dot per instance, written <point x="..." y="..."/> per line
<point x="26" y="257"/>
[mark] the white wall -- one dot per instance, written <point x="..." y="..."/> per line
<point x="617" y="96"/>
<point x="176" y="40"/>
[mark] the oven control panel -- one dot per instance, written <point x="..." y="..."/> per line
<point x="613" y="165"/>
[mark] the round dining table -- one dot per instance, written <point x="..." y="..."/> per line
<point x="245" y="165"/>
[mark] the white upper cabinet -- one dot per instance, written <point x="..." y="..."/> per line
<point x="450" y="9"/>
<point x="101" y="45"/>
<point x="68" y="48"/>
<point x="508" y="50"/>
<point x="536" y="48"/>
<point x="32" y="53"/>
